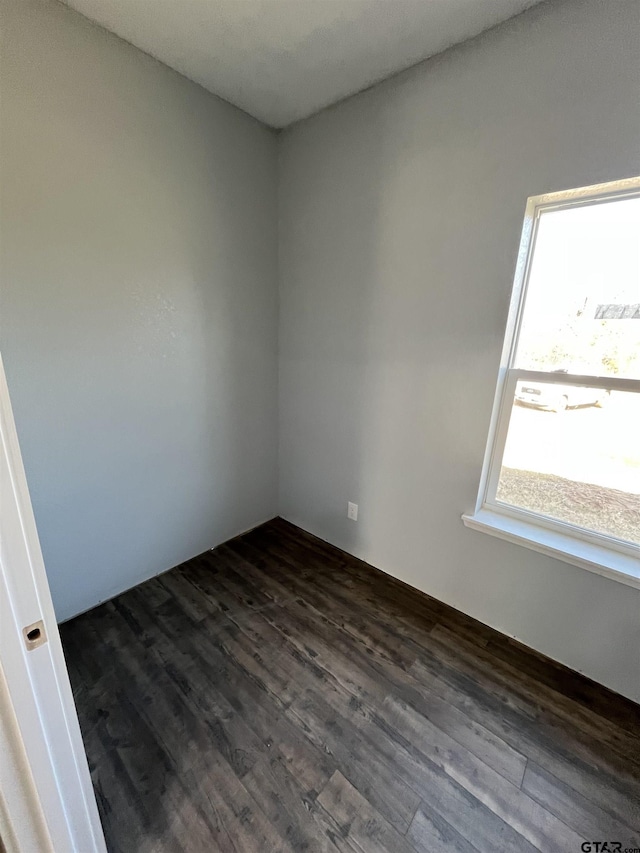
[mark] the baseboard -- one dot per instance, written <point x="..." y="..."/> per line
<point x="482" y="626"/>
<point x="148" y="577"/>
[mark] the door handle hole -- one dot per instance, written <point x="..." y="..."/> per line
<point x="34" y="635"/>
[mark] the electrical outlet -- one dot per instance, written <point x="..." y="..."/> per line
<point x="352" y="511"/>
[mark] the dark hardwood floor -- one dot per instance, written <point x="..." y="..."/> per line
<point x="276" y="694"/>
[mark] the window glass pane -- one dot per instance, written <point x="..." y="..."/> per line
<point x="582" y="311"/>
<point x="573" y="454"/>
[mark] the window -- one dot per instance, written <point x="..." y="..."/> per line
<point x="562" y="468"/>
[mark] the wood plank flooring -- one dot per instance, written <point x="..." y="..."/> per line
<point x="276" y="694"/>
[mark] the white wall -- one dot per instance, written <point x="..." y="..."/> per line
<point x="138" y="269"/>
<point x="400" y="216"/>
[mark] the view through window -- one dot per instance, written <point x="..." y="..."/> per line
<point x="568" y="446"/>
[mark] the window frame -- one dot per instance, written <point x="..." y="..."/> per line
<point x="581" y="546"/>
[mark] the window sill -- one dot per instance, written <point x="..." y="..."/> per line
<point x="612" y="564"/>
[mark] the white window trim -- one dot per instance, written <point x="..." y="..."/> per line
<point x="593" y="551"/>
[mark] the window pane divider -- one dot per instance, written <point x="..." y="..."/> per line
<point x="609" y="383"/>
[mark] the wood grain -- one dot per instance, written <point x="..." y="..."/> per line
<point x="276" y="694"/>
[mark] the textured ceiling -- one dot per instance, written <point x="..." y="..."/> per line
<point x="282" y="60"/>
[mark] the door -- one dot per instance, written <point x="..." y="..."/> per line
<point x="47" y="791"/>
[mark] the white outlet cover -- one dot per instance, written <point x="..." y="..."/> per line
<point x="352" y="511"/>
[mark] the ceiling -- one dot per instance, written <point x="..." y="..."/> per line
<point x="282" y="60"/>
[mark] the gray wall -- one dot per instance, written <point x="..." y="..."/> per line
<point x="400" y="216"/>
<point x="139" y="304"/>
<point x="138" y="270"/>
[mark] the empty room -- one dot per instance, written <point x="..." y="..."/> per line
<point x="320" y="421"/>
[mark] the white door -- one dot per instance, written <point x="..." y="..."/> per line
<point x="47" y="800"/>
